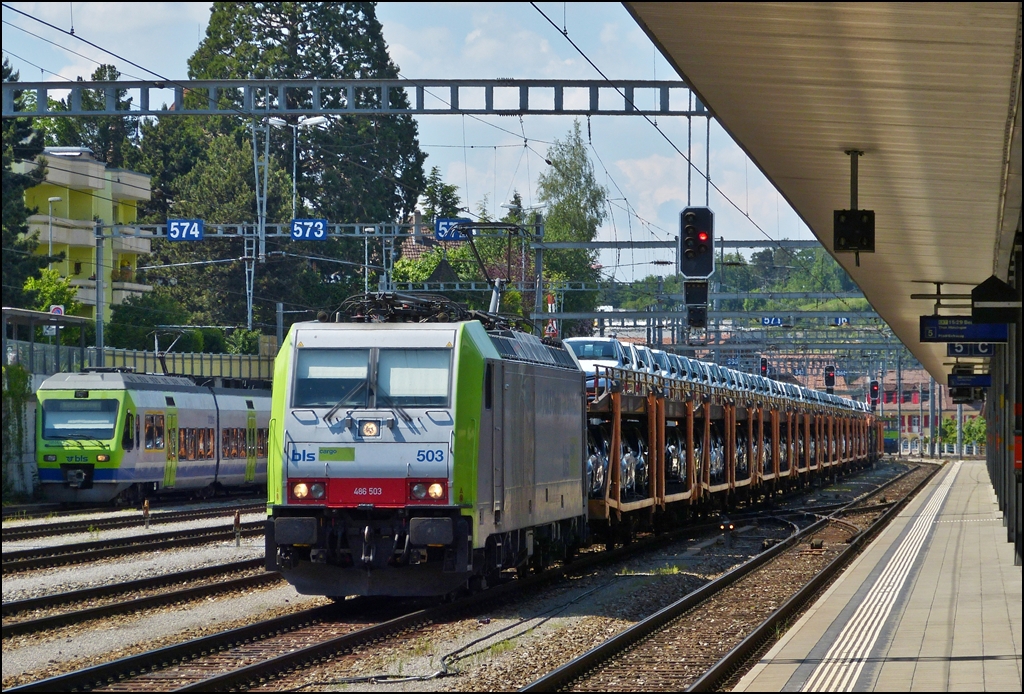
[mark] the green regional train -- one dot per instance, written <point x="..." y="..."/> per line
<point x="113" y="435"/>
<point x="418" y="451"/>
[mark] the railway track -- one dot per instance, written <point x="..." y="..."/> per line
<point x="745" y="605"/>
<point x="117" y="598"/>
<point x="29" y="532"/>
<point x="36" y="511"/>
<point x="245" y="657"/>
<point x="79" y="552"/>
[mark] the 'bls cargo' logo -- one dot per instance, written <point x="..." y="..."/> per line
<point x="303" y="456"/>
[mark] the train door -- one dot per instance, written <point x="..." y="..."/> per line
<point x="498" y="438"/>
<point x="171" y="461"/>
<point x="250" y="446"/>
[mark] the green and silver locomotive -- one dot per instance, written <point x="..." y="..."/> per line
<point x="415" y="459"/>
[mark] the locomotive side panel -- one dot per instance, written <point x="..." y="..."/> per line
<point x="558" y="444"/>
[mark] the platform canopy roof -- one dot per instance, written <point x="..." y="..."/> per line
<point x="930" y="92"/>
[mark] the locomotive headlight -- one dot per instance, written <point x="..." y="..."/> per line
<point x="50" y="458"/>
<point x="369" y="428"/>
<point x="300" y="490"/>
<point x="435" y="491"/>
<point x="316" y="490"/>
<point x="419" y="490"/>
<point x="102" y="458"/>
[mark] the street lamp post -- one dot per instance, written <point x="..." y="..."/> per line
<point x="303" y="123"/>
<point x="52" y="200"/>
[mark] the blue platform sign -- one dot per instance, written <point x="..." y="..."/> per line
<point x="184" y="230"/>
<point x="840" y="320"/>
<point x="771" y="320"/>
<point x="309" y="230"/>
<point x="961" y="329"/>
<point x="969" y="349"/>
<point x="969" y="380"/>
<point x="443" y="230"/>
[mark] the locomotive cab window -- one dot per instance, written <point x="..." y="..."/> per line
<point x="413" y="377"/>
<point x="372" y="378"/>
<point x="79" y="419"/>
<point x="324" y="377"/>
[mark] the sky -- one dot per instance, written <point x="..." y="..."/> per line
<point x="482" y="155"/>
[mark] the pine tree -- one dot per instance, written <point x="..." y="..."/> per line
<point x="21" y="143"/>
<point x="355" y="168"/>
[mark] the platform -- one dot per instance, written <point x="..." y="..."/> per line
<point x="933" y="604"/>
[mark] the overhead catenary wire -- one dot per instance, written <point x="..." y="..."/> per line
<point x="708" y="185"/>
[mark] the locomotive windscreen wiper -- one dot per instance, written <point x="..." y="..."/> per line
<point x="344" y="398"/>
<point x="402" y="412"/>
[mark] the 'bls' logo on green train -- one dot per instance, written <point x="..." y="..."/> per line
<point x="77" y="458"/>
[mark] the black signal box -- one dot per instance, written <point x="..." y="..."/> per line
<point x="854" y="231"/>
<point x="697" y="243"/>
<point x="697" y="316"/>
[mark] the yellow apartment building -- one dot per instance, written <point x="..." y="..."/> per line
<point x="82" y="192"/>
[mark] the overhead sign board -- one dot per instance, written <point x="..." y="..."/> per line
<point x="960" y="329"/>
<point x="771" y="320"/>
<point x="840" y="320"/>
<point x="969" y="380"/>
<point x="447" y="229"/>
<point x="185" y="230"/>
<point x="969" y="349"/>
<point x="309" y="230"/>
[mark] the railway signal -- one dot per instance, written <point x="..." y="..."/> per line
<point x="764" y="367"/>
<point x="697" y="243"/>
<point x="830" y="379"/>
<point x="874" y="394"/>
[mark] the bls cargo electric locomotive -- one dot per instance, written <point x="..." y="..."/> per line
<point x="419" y="457"/>
<point x="114" y="435"/>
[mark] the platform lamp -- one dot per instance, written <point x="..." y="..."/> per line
<point x="303" y="123"/>
<point x="52" y="200"/>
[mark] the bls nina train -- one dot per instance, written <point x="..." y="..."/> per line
<point x="113" y="435"/>
<point x="416" y="450"/>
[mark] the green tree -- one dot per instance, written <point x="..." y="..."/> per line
<point x="975" y="431"/>
<point x="576" y="208"/>
<point x="243" y="341"/>
<point x="21" y="143"/>
<point x="49" y="289"/>
<point x="355" y="168"/>
<point x="111" y="138"/>
<point x="134" y="323"/>
<point x="440" y="199"/>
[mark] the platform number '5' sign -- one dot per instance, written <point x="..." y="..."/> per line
<point x="184" y="230"/>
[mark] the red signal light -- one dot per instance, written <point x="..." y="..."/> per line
<point x="703" y="236"/>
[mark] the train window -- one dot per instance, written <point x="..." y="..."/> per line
<point x="127" y="440"/>
<point x="191" y="442"/>
<point x="79" y="419"/>
<point x="239" y="443"/>
<point x="413" y="377"/>
<point x="211" y="447"/>
<point x="325" y="377"/>
<point x="154" y="432"/>
<point x="182" y="444"/>
<point x="261" y="443"/>
<point x="201" y="444"/>
<point x="225" y="443"/>
<point x="169" y="400"/>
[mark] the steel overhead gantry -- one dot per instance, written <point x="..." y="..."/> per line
<point x="315" y="97"/>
